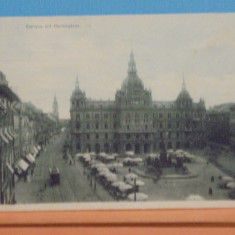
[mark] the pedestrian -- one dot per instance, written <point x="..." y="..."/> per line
<point x="212" y="178"/>
<point x="45" y="185"/>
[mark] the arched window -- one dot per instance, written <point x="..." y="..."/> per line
<point x="78" y="125"/>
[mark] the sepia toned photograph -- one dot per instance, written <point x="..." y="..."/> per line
<point x="129" y="111"/>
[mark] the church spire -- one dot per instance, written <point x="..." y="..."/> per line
<point x="183" y="84"/>
<point x="55" y="107"/>
<point x="77" y="84"/>
<point x="131" y="65"/>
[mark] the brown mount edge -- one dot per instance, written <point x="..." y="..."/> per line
<point x="173" y="217"/>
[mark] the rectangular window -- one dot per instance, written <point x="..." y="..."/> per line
<point x="97" y="136"/>
<point x="97" y="116"/>
<point x="97" y="126"/>
<point x="145" y="117"/>
<point x="128" y="117"/>
<point x="160" y="115"/>
<point x="106" y="136"/>
<point x="88" y="136"/>
<point x="88" y="126"/>
<point x="169" y="115"/>
<point x="177" y="124"/>
<point x="169" y="134"/>
<point x="87" y="116"/>
<point x="78" y="125"/>
<point x="106" y="115"/>
<point x="137" y="118"/>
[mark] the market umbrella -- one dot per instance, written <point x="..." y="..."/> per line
<point x="104" y="168"/>
<point x="179" y="151"/>
<point x="137" y="159"/>
<point x="117" y="183"/>
<point x="227" y="178"/>
<point x="131" y="176"/>
<point x="103" y="154"/>
<point x="115" y="165"/>
<point x="103" y="172"/>
<point x="124" y="187"/>
<point x="152" y="155"/>
<point x="79" y="155"/>
<point x="111" y="177"/>
<point x="127" y="159"/>
<point x="109" y="157"/>
<point x="180" y="155"/>
<point x="98" y="165"/>
<point x="231" y="185"/>
<point x="130" y="153"/>
<point x="195" y="197"/>
<point x="137" y="197"/>
<point x="137" y="183"/>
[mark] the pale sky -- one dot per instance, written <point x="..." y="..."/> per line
<point x="39" y="63"/>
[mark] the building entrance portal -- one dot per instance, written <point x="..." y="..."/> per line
<point x="106" y="148"/>
<point x="128" y="147"/>
<point x="146" y="148"/>
<point x="137" y="148"/>
<point x="97" y="148"/>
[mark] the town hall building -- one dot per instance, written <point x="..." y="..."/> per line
<point x="135" y="122"/>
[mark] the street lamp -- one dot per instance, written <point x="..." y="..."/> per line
<point x="135" y="189"/>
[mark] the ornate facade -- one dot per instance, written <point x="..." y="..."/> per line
<point x="8" y="100"/>
<point x="133" y="121"/>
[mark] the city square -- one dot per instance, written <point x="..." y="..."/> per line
<point x="126" y="116"/>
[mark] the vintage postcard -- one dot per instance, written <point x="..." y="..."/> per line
<point x="117" y="112"/>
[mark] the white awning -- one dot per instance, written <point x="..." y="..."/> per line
<point x="3" y="136"/>
<point x="30" y="158"/>
<point x="23" y="165"/>
<point x="12" y="132"/>
<point x="10" y="168"/>
<point x="35" y="149"/>
<point x="8" y="135"/>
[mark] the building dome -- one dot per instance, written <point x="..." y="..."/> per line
<point x="132" y="81"/>
<point x="184" y="94"/>
<point x="77" y="93"/>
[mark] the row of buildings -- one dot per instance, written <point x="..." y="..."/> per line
<point x="133" y="121"/>
<point x="24" y="129"/>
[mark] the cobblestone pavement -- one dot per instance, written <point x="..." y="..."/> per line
<point x="74" y="185"/>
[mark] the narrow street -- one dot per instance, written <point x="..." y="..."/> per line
<point x="74" y="185"/>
